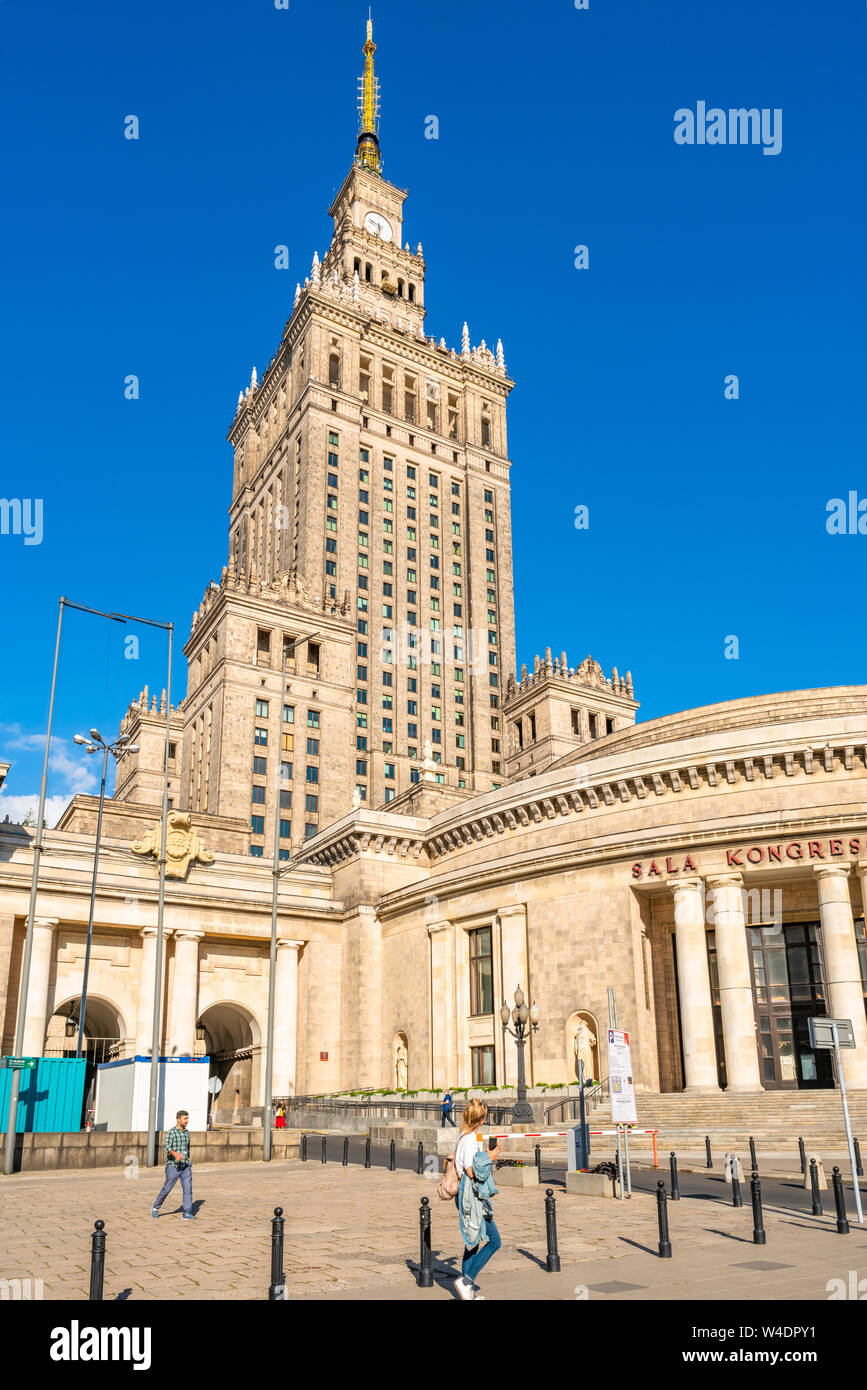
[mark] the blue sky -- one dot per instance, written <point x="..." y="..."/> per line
<point x="156" y="257"/>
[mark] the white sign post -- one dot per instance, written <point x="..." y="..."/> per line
<point x="836" y="1033"/>
<point x="621" y="1088"/>
<point x="215" y="1086"/>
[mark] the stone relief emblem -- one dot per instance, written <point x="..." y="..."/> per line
<point x="182" y="845"/>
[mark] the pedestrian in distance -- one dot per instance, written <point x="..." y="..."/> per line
<point x="178" y="1165"/>
<point x="280" y="1122"/>
<point x="474" y="1168"/>
<point x="448" y="1108"/>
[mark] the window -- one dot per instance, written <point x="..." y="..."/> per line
<point x="309" y="831"/>
<point x="257" y="824"/>
<point x="481" y="972"/>
<point x="258" y="767"/>
<point x="389" y="770"/>
<point x="412" y="706"/>
<point x="482" y="1063"/>
<point x="412" y="683"/>
<point x="258" y="795"/>
<point x="285" y="801"/>
<point x="286" y="772"/>
<point x="333" y="438"/>
<point x="260" y="736"/>
<point x="288" y="714"/>
<point x="313" y="719"/>
<point x="389" y="794"/>
<point x="287" y="742"/>
<point x="388" y="723"/>
<point x="414" y="774"/>
<point x="362" y="793"/>
<point x="412" y="732"/>
<point x="311" y="803"/>
<point x="312" y="774"/>
<point x="262" y="708"/>
<point x="285" y="829"/>
<point x="256" y="851"/>
<point x="361" y="743"/>
<point x="360" y="767"/>
<point x="361" y="697"/>
<point x="283" y="854"/>
<point x="263" y="647"/>
<point x="313" y="747"/>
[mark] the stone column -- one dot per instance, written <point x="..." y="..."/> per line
<point x="442" y="996"/>
<point x="513" y="953"/>
<point x="368" y="1067"/>
<point x="183" y="1005"/>
<point x="842" y="969"/>
<point x="736" y="992"/>
<point x="285" y="1019"/>
<point x="37" y="990"/>
<point x="696" y="1009"/>
<point x="145" y="1014"/>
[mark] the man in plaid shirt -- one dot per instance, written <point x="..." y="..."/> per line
<point x="178" y="1166"/>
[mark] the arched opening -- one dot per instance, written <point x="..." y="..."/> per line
<point x="232" y="1042"/>
<point x="368" y="272"/>
<point x="334" y="369"/>
<point x="411" y="293"/>
<point x="582" y="1042"/>
<point x="400" y="1062"/>
<point x="103" y="1039"/>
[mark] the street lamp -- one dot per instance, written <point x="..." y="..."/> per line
<point x="120" y="746"/>
<point x="525" y="1021"/>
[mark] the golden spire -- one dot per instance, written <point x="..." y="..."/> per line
<point x="367" y="151"/>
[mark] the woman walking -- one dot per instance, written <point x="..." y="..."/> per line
<point x="474" y="1168"/>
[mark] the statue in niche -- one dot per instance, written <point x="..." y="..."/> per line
<point x="401" y="1058"/>
<point x="584" y="1044"/>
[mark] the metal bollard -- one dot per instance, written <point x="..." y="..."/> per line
<point x="277" y="1288"/>
<point x="391" y="1163"/>
<point x="97" y="1261"/>
<point x="707" y="1151"/>
<point x="346" y="1151"/>
<point x="675" y="1190"/>
<point x="859" y="1171"/>
<point x="802" y="1154"/>
<point x="324" y="1148"/>
<point x="420" y="1162"/>
<point x="754" y="1162"/>
<point x="662" y="1217"/>
<point x="814" y="1185"/>
<point x="553" y="1264"/>
<point x="539" y="1161"/>
<point x="758" y="1224"/>
<point x="303" y="1148"/>
<point x="840" y="1203"/>
<point x="737" y="1199"/>
<point x="367" y="1152"/>
<point x="425" y="1278"/>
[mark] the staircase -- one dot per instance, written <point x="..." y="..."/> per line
<point x="774" y="1119"/>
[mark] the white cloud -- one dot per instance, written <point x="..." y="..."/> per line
<point x="16" y="807"/>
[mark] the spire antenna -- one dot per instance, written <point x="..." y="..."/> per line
<point x="367" y="151"/>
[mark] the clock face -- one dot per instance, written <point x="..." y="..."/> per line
<point x="375" y="223"/>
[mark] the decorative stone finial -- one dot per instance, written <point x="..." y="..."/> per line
<point x="297" y="294"/>
<point x="356" y="288"/>
<point x="465" y="341"/>
<point x="501" y="360"/>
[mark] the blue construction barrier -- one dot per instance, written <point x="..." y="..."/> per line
<point x="50" y="1097"/>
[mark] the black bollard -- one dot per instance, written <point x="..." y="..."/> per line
<point x="758" y="1225"/>
<point x="425" y="1278"/>
<point x="802" y="1153"/>
<point x="420" y="1164"/>
<point x="277" y="1288"/>
<point x="859" y="1171"/>
<point x="391" y="1163"/>
<point x="303" y="1148"/>
<point x="737" y="1199"/>
<point x="814" y="1185"/>
<point x="553" y="1263"/>
<point x="675" y="1190"/>
<point x="539" y="1162"/>
<point x="662" y="1217"/>
<point x="707" y="1151"/>
<point x="840" y="1203"/>
<point x="346" y="1152"/>
<point x="324" y="1149"/>
<point x="754" y="1162"/>
<point x="97" y="1261"/>
<point x="367" y="1152"/>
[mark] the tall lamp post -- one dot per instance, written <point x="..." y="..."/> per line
<point x="525" y="1021"/>
<point x="92" y="743"/>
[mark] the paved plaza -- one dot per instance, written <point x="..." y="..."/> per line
<point x="353" y="1233"/>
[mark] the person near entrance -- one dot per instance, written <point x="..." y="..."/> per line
<point x="447" y="1106"/>
<point x="178" y="1165"/>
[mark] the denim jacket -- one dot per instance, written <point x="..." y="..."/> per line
<point x="474" y="1200"/>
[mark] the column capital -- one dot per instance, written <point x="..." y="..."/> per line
<point x="186" y="933"/>
<point x="152" y="931"/>
<point x="434" y="927"/>
<point x="725" y="880"/>
<point x="512" y="910"/>
<point x="294" y="945"/>
<point x="693" y="883"/>
<point x="832" y="870"/>
<point x="47" y="923"/>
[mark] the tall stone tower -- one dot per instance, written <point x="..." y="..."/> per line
<point x="369" y="545"/>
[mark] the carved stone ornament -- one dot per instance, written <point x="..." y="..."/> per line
<point x="182" y="845"/>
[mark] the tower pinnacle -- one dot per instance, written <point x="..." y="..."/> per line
<point x="367" y="150"/>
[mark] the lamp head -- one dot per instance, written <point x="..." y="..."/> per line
<point x="505" y="1014"/>
<point x="534" y="1015"/>
<point x="79" y="738"/>
<point x="96" y="735"/>
<point x="519" y="996"/>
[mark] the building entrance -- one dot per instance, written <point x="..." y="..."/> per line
<point x="788" y="989"/>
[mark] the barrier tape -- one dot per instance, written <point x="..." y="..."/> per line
<point x="561" y="1134"/>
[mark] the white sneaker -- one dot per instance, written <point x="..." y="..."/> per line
<point x="464" y="1289"/>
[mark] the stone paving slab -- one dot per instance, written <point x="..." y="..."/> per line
<point x="353" y="1234"/>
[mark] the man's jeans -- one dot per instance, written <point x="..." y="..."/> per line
<point x="186" y="1177"/>
<point x="447" y="1115"/>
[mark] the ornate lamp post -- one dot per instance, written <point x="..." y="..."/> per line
<point x="92" y="743"/>
<point x="525" y="1021"/>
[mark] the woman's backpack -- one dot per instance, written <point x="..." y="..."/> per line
<point x="448" y="1188"/>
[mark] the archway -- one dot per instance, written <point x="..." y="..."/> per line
<point x="103" y="1038"/>
<point x="232" y="1041"/>
<point x="582" y="1039"/>
<point x="400" y="1062"/>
